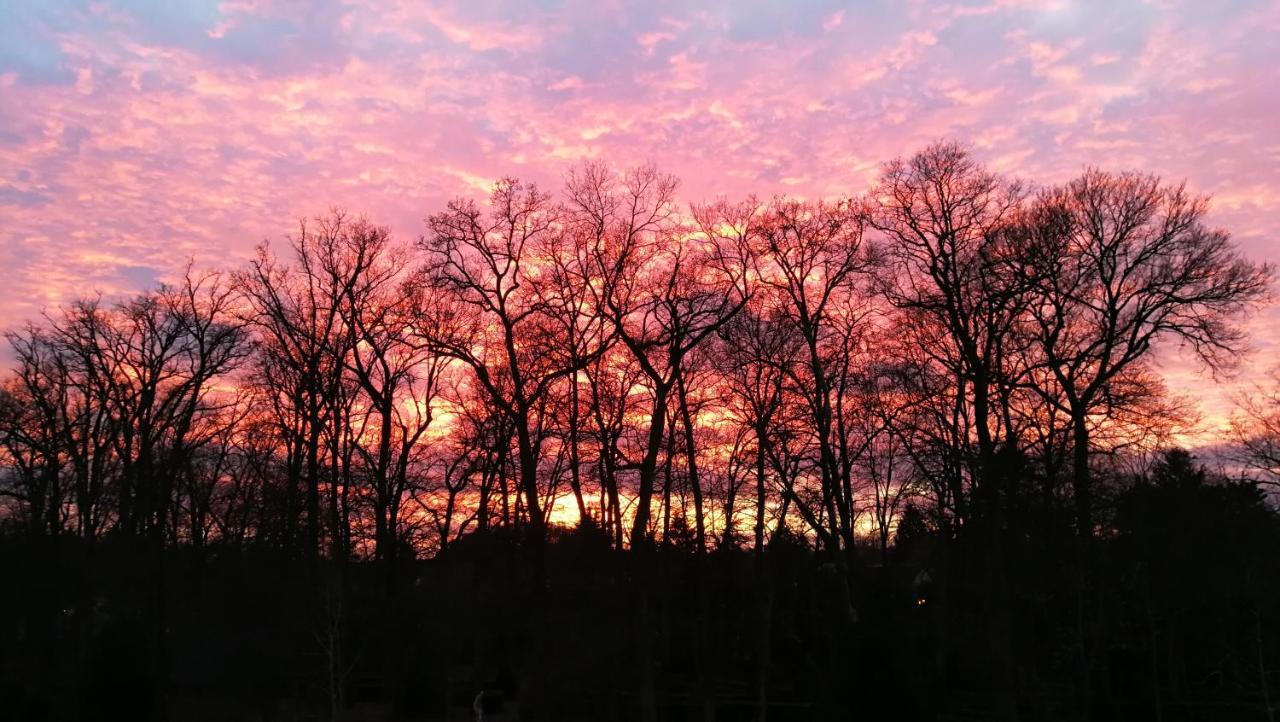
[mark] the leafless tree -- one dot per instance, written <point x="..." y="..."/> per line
<point x="1255" y="431"/>
<point x="1120" y="262"/>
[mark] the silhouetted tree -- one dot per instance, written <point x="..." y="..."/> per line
<point x="1122" y="261"/>
<point x="908" y="455"/>
<point x="944" y="217"/>
<point x="1255" y="432"/>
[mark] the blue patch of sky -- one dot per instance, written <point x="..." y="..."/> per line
<point x="140" y="277"/>
<point x="16" y="197"/>
<point x="764" y="20"/>
<point x="28" y="46"/>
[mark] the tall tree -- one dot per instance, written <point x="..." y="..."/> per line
<point x="493" y="313"/>
<point x="35" y="405"/>
<point x="664" y="292"/>
<point x="398" y="378"/>
<point x="296" y="310"/>
<point x="812" y="257"/>
<point x="945" y="219"/>
<point x="1122" y="261"/>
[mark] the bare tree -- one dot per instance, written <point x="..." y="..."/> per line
<point x="296" y="311"/>
<point x="1255" y="431"/>
<point x="1122" y="261"/>
<point x="35" y="405"/>
<point x="492" y="314"/>
<point x="398" y="377"/>
<point x="812" y="257"/>
<point x="944" y="217"/>
<point x="663" y="294"/>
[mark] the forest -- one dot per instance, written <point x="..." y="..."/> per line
<point x="598" y="454"/>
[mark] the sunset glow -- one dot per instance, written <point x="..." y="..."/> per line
<point x="585" y="360"/>
<point x="136" y="135"/>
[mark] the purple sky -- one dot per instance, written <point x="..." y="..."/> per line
<point x="135" y="135"/>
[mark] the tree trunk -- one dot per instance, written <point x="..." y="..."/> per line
<point x="649" y="466"/>
<point x="691" y="452"/>
<point x="1080" y="477"/>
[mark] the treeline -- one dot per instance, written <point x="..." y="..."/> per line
<point x="948" y="376"/>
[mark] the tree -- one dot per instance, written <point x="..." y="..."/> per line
<point x="812" y="258"/>
<point x="663" y="292"/>
<point x="297" y="313"/>
<point x="152" y="362"/>
<point x="35" y="405"/>
<point x="1121" y="261"/>
<point x="398" y="377"/>
<point x="1255" y="432"/>
<point x="492" y="314"/>
<point x="954" y="267"/>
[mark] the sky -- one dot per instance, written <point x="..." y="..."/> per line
<point x="137" y="135"/>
